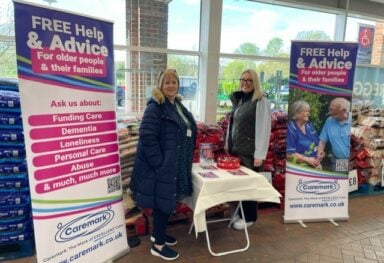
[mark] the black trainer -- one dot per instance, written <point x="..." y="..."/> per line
<point x="165" y="253"/>
<point x="169" y="240"/>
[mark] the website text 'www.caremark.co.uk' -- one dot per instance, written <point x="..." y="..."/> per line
<point x="318" y="205"/>
<point x="95" y="246"/>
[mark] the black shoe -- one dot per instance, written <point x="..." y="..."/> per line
<point x="133" y="241"/>
<point x="169" y="240"/>
<point x="165" y="253"/>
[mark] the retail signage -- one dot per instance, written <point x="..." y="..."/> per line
<point x="382" y="175"/>
<point x="66" y="79"/>
<point x="353" y="181"/>
<point x="369" y="85"/>
<point x="365" y="38"/>
<point x="321" y="81"/>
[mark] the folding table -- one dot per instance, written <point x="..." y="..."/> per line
<point x="213" y="186"/>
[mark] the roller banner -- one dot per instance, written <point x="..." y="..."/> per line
<point x="65" y="68"/>
<point x="318" y="135"/>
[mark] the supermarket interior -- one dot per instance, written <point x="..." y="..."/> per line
<point x="114" y="112"/>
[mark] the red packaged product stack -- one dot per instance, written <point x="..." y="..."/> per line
<point x="228" y="162"/>
<point x="276" y="157"/>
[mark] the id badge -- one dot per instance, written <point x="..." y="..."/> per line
<point x="189" y="133"/>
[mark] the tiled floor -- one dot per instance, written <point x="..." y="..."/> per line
<point x="360" y="239"/>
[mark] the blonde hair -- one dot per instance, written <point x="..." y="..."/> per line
<point x="167" y="72"/>
<point x="257" y="93"/>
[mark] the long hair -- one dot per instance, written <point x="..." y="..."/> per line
<point x="257" y="93"/>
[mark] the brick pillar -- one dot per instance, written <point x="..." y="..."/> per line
<point x="147" y="26"/>
<point x="378" y="46"/>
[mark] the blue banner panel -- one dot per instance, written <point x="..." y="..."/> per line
<point x="318" y="135"/>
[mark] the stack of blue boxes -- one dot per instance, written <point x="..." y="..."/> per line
<point x="16" y="228"/>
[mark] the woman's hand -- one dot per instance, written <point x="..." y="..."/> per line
<point x="312" y="161"/>
<point x="226" y="149"/>
<point x="320" y="155"/>
<point x="257" y="162"/>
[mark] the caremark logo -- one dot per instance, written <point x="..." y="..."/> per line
<point x="84" y="225"/>
<point x="317" y="187"/>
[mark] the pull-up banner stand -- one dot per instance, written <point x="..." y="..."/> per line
<point x="66" y="82"/>
<point x="320" y="72"/>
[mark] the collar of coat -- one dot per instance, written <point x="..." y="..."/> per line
<point x="238" y="96"/>
<point x="159" y="97"/>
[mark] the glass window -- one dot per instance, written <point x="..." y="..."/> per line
<point x="7" y="43"/>
<point x="187" y="69"/>
<point x="134" y="85"/>
<point x="369" y="35"/>
<point x="7" y="27"/>
<point x="156" y="26"/>
<point x="352" y="30"/>
<point x="164" y="24"/>
<point x="8" y="59"/>
<point x="258" y="36"/>
<point x="184" y="24"/>
<point x="139" y="27"/>
<point x="263" y="29"/>
<point x="104" y="9"/>
<point x="273" y="79"/>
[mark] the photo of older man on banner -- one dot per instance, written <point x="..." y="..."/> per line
<point x="318" y="135"/>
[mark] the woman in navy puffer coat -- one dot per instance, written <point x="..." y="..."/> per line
<point x="163" y="164"/>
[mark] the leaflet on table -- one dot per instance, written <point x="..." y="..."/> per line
<point x="208" y="167"/>
<point x="208" y="174"/>
<point x="66" y="80"/>
<point x="206" y="154"/>
<point x="237" y="172"/>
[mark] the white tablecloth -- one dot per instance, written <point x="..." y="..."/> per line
<point x="209" y="192"/>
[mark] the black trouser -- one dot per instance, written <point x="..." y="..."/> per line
<point x="160" y="221"/>
<point x="249" y="207"/>
<point x="250" y="211"/>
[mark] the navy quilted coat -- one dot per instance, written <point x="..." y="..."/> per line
<point x="154" y="176"/>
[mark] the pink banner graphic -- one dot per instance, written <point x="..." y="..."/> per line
<point x="72" y="130"/>
<point x="68" y="156"/>
<point x="43" y="174"/>
<point x="48" y="61"/>
<point x="67" y="118"/>
<point x="40" y="147"/>
<point x="76" y="179"/>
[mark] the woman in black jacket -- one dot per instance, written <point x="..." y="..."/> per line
<point x="162" y="170"/>
<point x="248" y="134"/>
